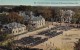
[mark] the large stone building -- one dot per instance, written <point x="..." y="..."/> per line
<point x="14" y="28"/>
<point x="34" y="21"/>
<point x="37" y="22"/>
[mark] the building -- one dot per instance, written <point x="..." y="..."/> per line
<point x="36" y="21"/>
<point x="14" y="28"/>
<point x="33" y="21"/>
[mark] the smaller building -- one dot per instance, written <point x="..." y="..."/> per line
<point x="15" y="28"/>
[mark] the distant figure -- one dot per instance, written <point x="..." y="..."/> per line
<point x="53" y="44"/>
<point x="50" y="42"/>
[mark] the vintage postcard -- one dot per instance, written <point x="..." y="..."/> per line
<point x="39" y="24"/>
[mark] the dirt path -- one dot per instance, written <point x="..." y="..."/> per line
<point x="64" y="42"/>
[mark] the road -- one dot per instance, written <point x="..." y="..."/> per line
<point x="33" y="32"/>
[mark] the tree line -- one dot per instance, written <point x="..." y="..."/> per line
<point x="46" y="12"/>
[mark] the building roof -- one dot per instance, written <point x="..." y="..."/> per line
<point x="31" y="16"/>
<point x="14" y="25"/>
<point x="36" y="18"/>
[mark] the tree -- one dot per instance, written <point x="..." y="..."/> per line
<point x="3" y="18"/>
<point x="46" y="12"/>
<point x="3" y="9"/>
<point x="76" y="17"/>
<point x="77" y="45"/>
<point x="19" y="8"/>
<point x="14" y="17"/>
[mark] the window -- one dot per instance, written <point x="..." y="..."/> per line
<point x="16" y="31"/>
<point x="13" y="32"/>
<point x="33" y="24"/>
<point x="19" y="30"/>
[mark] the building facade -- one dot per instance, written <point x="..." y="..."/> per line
<point x="36" y="21"/>
<point x="33" y="21"/>
<point x="15" y="28"/>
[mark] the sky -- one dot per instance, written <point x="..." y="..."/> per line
<point x="41" y="2"/>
